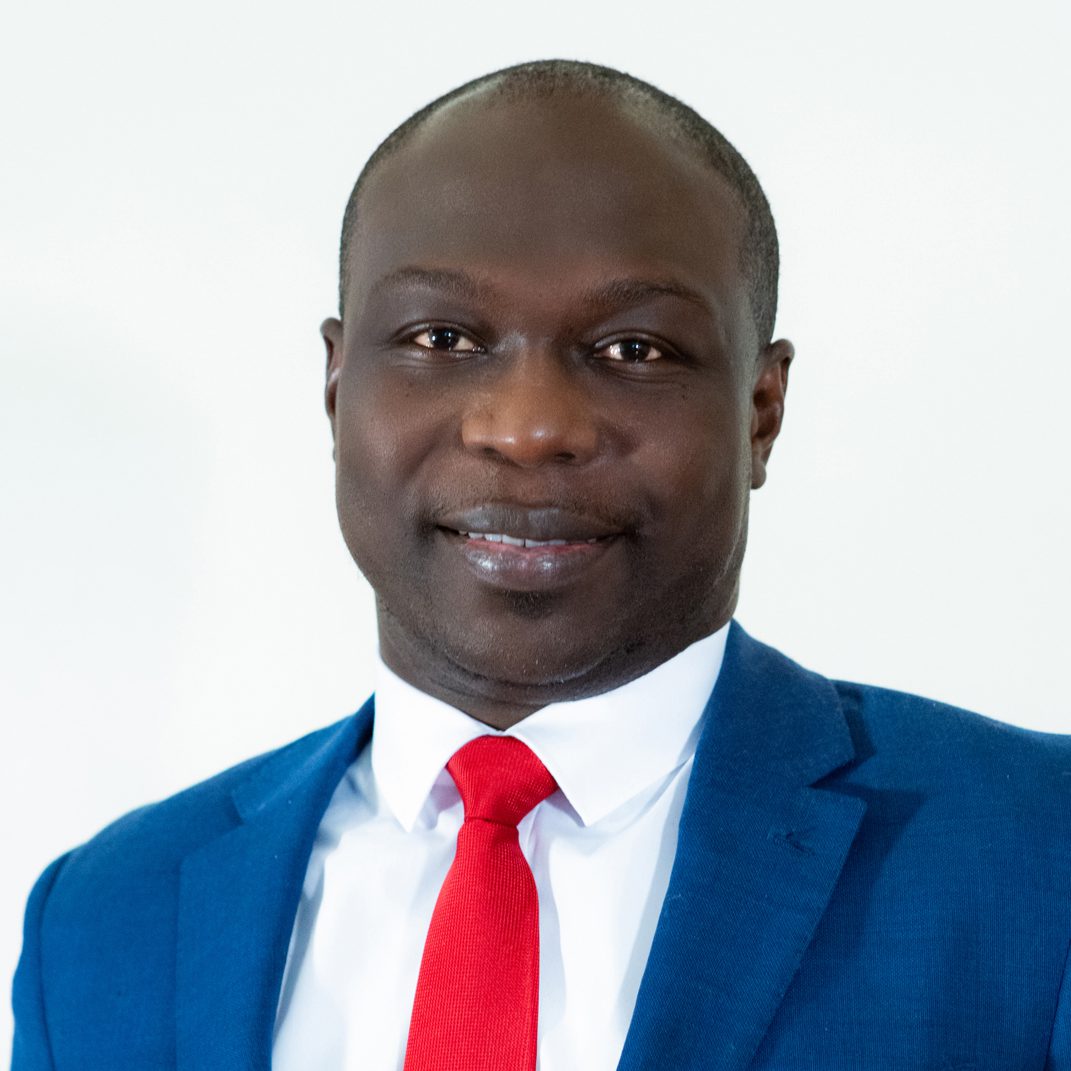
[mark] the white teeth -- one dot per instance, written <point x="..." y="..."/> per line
<point x="517" y="541"/>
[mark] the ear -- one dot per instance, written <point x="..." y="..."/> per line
<point x="331" y="332"/>
<point x="768" y="405"/>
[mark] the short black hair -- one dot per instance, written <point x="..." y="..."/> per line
<point x="541" y="79"/>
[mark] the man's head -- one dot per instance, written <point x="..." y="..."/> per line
<point x="545" y="79"/>
<point x="558" y="289"/>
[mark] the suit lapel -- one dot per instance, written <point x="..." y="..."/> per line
<point x="758" y="854"/>
<point x="238" y="897"/>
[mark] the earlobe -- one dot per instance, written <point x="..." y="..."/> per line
<point x="768" y="405"/>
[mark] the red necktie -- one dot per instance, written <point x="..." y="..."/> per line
<point x="477" y="997"/>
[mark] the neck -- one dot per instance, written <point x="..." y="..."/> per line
<point x="501" y="703"/>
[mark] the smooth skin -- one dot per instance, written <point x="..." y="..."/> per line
<point x="547" y="330"/>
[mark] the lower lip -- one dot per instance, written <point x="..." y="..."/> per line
<point x="514" y="568"/>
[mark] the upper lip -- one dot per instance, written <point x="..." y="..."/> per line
<point x="529" y="522"/>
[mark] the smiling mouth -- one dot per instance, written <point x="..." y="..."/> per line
<point x="514" y="547"/>
<point x="529" y="526"/>
<point x="507" y="562"/>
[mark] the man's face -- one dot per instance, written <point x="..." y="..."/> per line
<point x="547" y="338"/>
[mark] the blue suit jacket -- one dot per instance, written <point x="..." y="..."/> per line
<point x="863" y="879"/>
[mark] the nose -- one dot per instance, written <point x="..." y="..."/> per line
<point x="533" y="411"/>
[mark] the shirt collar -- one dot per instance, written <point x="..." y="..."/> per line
<point x="602" y="751"/>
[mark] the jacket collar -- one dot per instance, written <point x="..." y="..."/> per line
<point x="239" y="894"/>
<point x="758" y="854"/>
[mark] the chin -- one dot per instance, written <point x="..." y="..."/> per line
<point x="522" y="666"/>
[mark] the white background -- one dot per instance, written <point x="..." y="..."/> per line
<point x="175" y="596"/>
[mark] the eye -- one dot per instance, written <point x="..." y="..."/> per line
<point x="447" y="339"/>
<point x="633" y="351"/>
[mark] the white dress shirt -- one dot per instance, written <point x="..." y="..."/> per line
<point x="600" y="848"/>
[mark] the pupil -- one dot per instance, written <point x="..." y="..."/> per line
<point x="636" y="351"/>
<point x="443" y="338"/>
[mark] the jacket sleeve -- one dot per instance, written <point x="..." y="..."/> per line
<point x="32" y="1050"/>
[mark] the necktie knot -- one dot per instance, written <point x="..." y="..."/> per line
<point x="500" y="779"/>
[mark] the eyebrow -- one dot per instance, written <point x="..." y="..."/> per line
<point x="450" y="280"/>
<point x="611" y="293"/>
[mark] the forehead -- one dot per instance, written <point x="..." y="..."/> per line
<point x="565" y="190"/>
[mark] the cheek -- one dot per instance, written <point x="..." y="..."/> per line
<point x="363" y="398"/>
<point x="704" y="471"/>
<point x="377" y="453"/>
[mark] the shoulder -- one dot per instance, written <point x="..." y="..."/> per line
<point x="960" y="754"/>
<point x="905" y="721"/>
<point x="103" y="922"/>
<point x="156" y="837"/>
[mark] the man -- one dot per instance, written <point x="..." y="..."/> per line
<point x="593" y="823"/>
